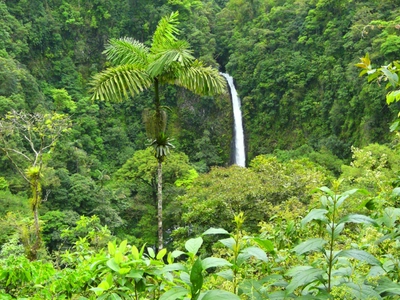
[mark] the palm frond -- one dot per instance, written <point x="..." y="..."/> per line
<point x="201" y="80"/>
<point x="178" y="52"/>
<point x="116" y="83"/>
<point x="127" y="51"/>
<point x="166" y="31"/>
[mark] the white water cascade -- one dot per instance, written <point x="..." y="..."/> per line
<point x="239" y="149"/>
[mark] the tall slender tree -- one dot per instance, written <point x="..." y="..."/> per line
<point x="136" y="67"/>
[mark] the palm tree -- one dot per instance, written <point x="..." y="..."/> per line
<point x="136" y="67"/>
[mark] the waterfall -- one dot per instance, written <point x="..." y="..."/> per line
<point x="239" y="149"/>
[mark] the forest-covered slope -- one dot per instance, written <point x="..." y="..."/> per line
<point x="293" y="62"/>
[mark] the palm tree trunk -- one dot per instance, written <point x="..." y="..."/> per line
<point x="159" y="205"/>
<point x="159" y="169"/>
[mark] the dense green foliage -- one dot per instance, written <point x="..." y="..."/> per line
<point x="315" y="212"/>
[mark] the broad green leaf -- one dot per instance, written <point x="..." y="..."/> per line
<point x="256" y="252"/>
<point x="309" y="245"/>
<point x="393" y="96"/>
<point x="174" y="267"/>
<point x="96" y="290"/>
<point x="342" y="197"/>
<point x="137" y="274"/>
<point x="177" y="253"/>
<point x="135" y="252"/>
<point x="396" y="191"/>
<point x="391" y="76"/>
<point x="279" y="295"/>
<point x="122" y="246"/>
<point x="304" y="277"/>
<point x="327" y="190"/>
<point x="362" y="291"/>
<point x="151" y="252"/>
<point x="357" y="218"/>
<point x="218" y="294"/>
<point x="113" y="265"/>
<point x="254" y="289"/>
<point x="161" y="254"/>
<point x="265" y="243"/>
<point x="229" y="242"/>
<point x="193" y="245"/>
<point x="360" y="255"/>
<point x="295" y="270"/>
<point x="211" y="262"/>
<point x="109" y="279"/>
<point x="185" y="277"/>
<point x="390" y="216"/>
<point x="174" y="293"/>
<point x="226" y="274"/>
<point x="385" y="285"/>
<point x="315" y="214"/>
<point x="119" y="257"/>
<point x="216" y="231"/>
<point x="104" y="285"/>
<point x="114" y="296"/>
<point x="242" y="257"/>
<point x="337" y="231"/>
<point x="111" y="248"/>
<point x="124" y="271"/>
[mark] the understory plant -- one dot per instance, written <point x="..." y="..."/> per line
<point x="332" y="267"/>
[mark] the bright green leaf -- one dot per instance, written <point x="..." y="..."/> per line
<point x="265" y="243"/>
<point x="161" y="253"/>
<point x="193" y="245"/>
<point x="216" y="231"/>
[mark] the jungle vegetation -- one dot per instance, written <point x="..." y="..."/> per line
<point x="315" y="213"/>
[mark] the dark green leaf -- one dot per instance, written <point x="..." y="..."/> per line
<point x="196" y="277"/>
